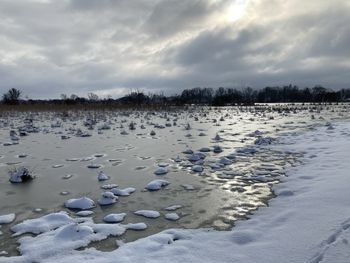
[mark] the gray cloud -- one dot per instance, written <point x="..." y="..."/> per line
<point x="111" y="46"/>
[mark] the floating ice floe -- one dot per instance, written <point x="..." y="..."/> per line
<point x="217" y="149"/>
<point x="82" y="203"/>
<point x="84" y="213"/>
<point x="6" y="219"/>
<point x="177" y="159"/>
<point x="188" y="187"/>
<point x="172" y="216"/>
<point x="197" y="168"/>
<point x="163" y="164"/>
<point x="188" y="151"/>
<point x="173" y="207"/>
<point x="204" y="149"/>
<point x="67" y="176"/>
<point x="94" y="166"/>
<point x="255" y="133"/>
<point x="156" y="185"/>
<point x="263" y="141"/>
<point x="57" y="165"/>
<point x="136" y="226"/>
<point x="124" y="132"/>
<point x="20" y="175"/>
<point x="194" y="157"/>
<point x="161" y="171"/>
<point x="114" y="218"/>
<point x="123" y="192"/>
<point x="147" y="213"/>
<point x="102" y="176"/>
<point x="225" y="161"/>
<point x="107" y="198"/>
<point x="109" y="186"/>
<point x="217" y="137"/>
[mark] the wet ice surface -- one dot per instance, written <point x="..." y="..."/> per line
<point x="216" y="173"/>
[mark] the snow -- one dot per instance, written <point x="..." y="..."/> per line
<point x="309" y="221"/>
<point x="114" y="218"/>
<point x="6" y="219"/>
<point x="161" y="171"/>
<point x="147" y="213"/>
<point x="156" y="185"/>
<point x="84" y="213"/>
<point x="197" y="168"/>
<point x="102" y="176"/>
<point x="80" y="203"/>
<point x="42" y="224"/>
<point x="107" y="198"/>
<point x="173" y="207"/>
<point x="172" y="216"/>
<point x="123" y="192"/>
<point x="136" y="226"/>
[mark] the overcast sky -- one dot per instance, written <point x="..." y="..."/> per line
<point x="49" y="47"/>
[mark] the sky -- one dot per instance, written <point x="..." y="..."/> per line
<point x="112" y="47"/>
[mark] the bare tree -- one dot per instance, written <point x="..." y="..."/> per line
<point x="93" y="96"/>
<point x="12" y="96"/>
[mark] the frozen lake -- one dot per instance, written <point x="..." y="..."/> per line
<point x="226" y="178"/>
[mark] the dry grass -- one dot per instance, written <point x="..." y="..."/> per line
<point x="85" y="107"/>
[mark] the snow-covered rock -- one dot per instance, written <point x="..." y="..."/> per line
<point x="102" y="176"/>
<point x="123" y="192"/>
<point x="107" y="198"/>
<point x="147" y="213"/>
<point x="82" y="203"/>
<point x="114" y="218"/>
<point x="8" y="218"/>
<point x="161" y="171"/>
<point x="156" y="184"/>
<point x="172" y="216"/>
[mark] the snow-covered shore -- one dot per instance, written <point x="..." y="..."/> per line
<point x="309" y="221"/>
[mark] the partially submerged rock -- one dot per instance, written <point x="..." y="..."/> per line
<point x="20" y="175"/>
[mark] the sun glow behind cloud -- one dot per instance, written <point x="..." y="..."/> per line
<point x="235" y="10"/>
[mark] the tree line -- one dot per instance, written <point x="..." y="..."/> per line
<point x="201" y="96"/>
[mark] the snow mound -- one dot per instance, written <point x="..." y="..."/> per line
<point x="6" y="219"/>
<point x="114" y="218"/>
<point x="107" y="198"/>
<point x="147" y="213"/>
<point x="123" y="192"/>
<point x="172" y="216"/>
<point x="136" y="226"/>
<point x="156" y="185"/>
<point x="82" y="203"/>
